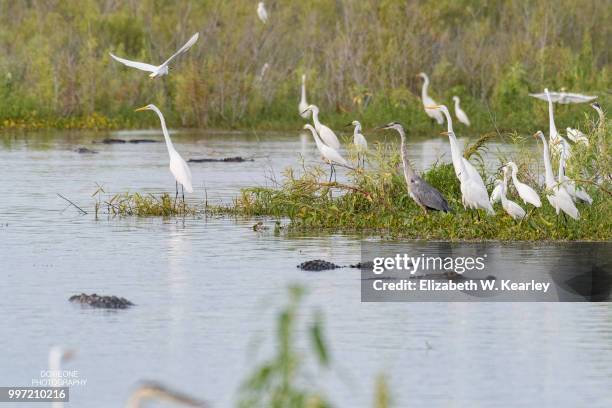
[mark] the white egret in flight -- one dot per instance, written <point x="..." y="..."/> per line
<point x="428" y="101"/>
<point x="303" y="105"/>
<point x="557" y="196"/>
<point x="159" y="70"/>
<point x="262" y="13"/>
<point x="564" y="97"/>
<point x="576" y="193"/>
<point x="556" y="141"/>
<point x="426" y="196"/>
<point x="58" y="356"/>
<point x="325" y="133"/>
<point x="330" y="155"/>
<point x="513" y="209"/>
<point x="577" y="136"/>
<point x="360" y="142"/>
<point x="178" y="166"/>
<point x="153" y="391"/>
<point x="527" y="194"/>
<point x="459" y="113"/>
<point x="474" y="194"/>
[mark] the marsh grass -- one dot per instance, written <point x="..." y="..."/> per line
<point x="143" y="205"/>
<point x="376" y="199"/>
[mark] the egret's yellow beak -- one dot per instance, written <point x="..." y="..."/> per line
<point x="444" y="133"/>
<point x="141" y="109"/>
<point x="433" y="107"/>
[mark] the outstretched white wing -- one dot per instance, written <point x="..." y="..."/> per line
<point x="564" y="97"/>
<point x="135" y="64"/>
<point x="184" y="48"/>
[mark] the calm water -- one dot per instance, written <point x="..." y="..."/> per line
<point x="207" y="291"/>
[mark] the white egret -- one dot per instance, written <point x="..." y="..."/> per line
<point x="513" y="209"/>
<point x="527" y="194"/>
<point x="570" y="186"/>
<point x="303" y="105"/>
<point x="153" y="391"/>
<point x="557" y="142"/>
<point x="57" y="356"/>
<point x="262" y="13"/>
<point x="330" y="155"/>
<point x="557" y="196"/>
<point x="428" y="101"/>
<point x="456" y="155"/>
<point x="602" y="117"/>
<point x="159" y="70"/>
<point x="263" y="71"/>
<point x="496" y="193"/>
<point x="426" y="196"/>
<point x="325" y="133"/>
<point x="459" y="113"/>
<point x="564" y="97"/>
<point x="474" y="194"/>
<point x="577" y="136"/>
<point x="359" y="140"/>
<point x="178" y="166"/>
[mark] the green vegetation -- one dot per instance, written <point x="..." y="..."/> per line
<point x="361" y="59"/>
<point x="136" y="204"/>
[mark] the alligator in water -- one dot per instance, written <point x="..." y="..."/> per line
<point x="84" y="150"/>
<point x="236" y="159"/>
<point x="102" y="302"/>
<point x="121" y="141"/>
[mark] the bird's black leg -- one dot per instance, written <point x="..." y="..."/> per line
<point x="176" y="195"/>
<point x="331" y="172"/>
<point x="183" y="191"/>
<point x="335" y="179"/>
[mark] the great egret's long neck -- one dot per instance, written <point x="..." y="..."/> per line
<point x="514" y="172"/>
<point x="424" y="94"/>
<point x="504" y="186"/>
<point x="169" y="144"/>
<point x="318" y="141"/>
<point x="455" y="153"/>
<point x="457" y="104"/>
<point x="449" y="120"/>
<point x="551" y="119"/>
<point x="561" y="175"/>
<point x="315" y="118"/>
<point x="408" y="171"/>
<point x="548" y="173"/>
<point x="303" y="99"/>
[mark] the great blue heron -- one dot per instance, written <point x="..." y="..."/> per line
<point x="428" y="101"/>
<point x="159" y="70"/>
<point x="360" y="142"/>
<point x="557" y="196"/>
<point x="513" y="209"/>
<point x="460" y="113"/>
<point x="154" y="391"/>
<point x="326" y="134"/>
<point x="178" y="166"/>
<point x="426" y="196"/>
<point x="330" y="155"/>
<point x="527" y="194"/>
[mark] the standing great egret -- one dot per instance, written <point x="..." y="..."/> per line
<point x="577" y="136"/>
<point x="513" y="209"/>
<point x="474" y="194"/>
<point x="178" y="166"/>
<point x="325" y="133"/>
<point x="261" y="12"/>
<point x="303" y="105"/>
<point x="360" y="142"/>
<point x="426" y="196"/>
<point x="57" y="356"/>
<point x="570" y="186"/>
<point x="154" y="391"/>
<point x="556" y="141"/>
<point x="160" y="70"/>
<point x="557" y="196"/>
<point x="330" y="155"/>
<point x="428" y="101"/>
<point x="527" y="194"/>
<point x="459" y="113"/>
<point x="564" y="97"/>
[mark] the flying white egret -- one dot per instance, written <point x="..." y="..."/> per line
<point x="426" y="196"/>
<point x="154" y="391"/>
<point x="570" y="186"/>
<point x="428" y="101"/>
<point x="57" y="356"/>
<point x="330" y="155"/>
<point x="577" y="136"/>
<point x="474" y="194"/>
<point x="557" y="196"/>
<point x="513" y="209"/>
<point x="527" y="194"/>
<point x="556" y="141"/>
<point x="360" y="142"/>
<point x="496" y="193"/>
<point x="262" y="13"/>
<point x="303" y="105"/>
<point x="178" y="166"/>
<point x="564" y="97"/>
<point x="456" y="155"/>
<point x="459" y="113"/>
<point x="325" y="133"/>
<point x="159" y="70"/>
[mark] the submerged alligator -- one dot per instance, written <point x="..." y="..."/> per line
<point x="323" y="265"/>
<point x="121" y="141"/>
<point x="84" y="150"/>
<point x="236" y="159"/>
<point x="101" y="302"/>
